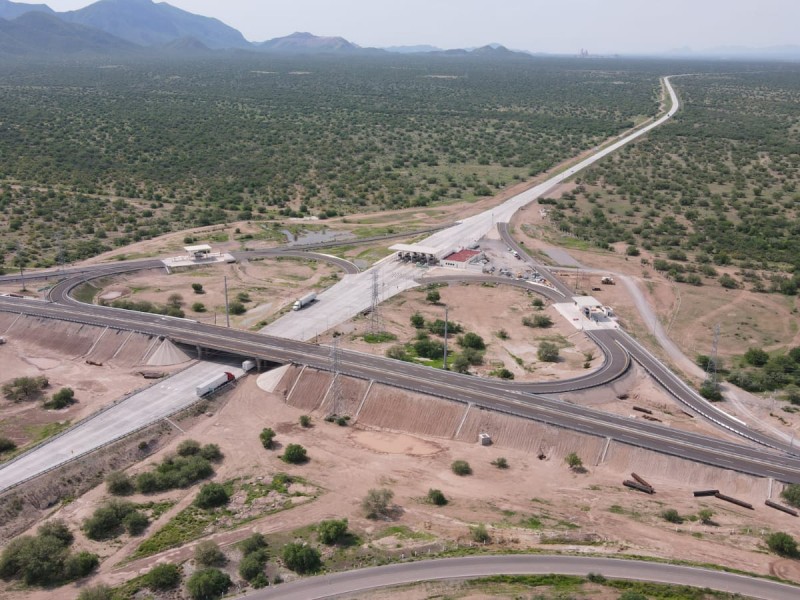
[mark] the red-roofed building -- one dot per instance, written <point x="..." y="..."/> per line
<point x="464" y="259"/>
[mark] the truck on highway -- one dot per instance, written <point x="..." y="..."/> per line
<point x="214" y="383"/>
<point x="304" y="301"/>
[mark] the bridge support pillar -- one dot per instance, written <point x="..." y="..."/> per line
<point x="259" y="365"/>
<point x="199" y="351"/>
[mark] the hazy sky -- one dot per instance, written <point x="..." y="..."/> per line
<point x="601" y="26"/>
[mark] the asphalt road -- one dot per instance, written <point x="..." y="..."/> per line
<point x="364" y="580"/>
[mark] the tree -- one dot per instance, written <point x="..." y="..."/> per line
<point x="252" y="566"/>
<point x="267" y="438"/>
<point x="500" y="463"/>
<point x="461" y="468"/>
<point x="472" y="340"/>
<point x="332" y="531"/>
<point x="782" y="544"/>
<point x="792" y="494"/>
<point x="61" y="399"/>
<point x="294" y="454"/>
<point x="211" y="452"/>
<point x="398" y="352"/>
<point x="198" y="288"/>
<point x="301" y="558"/>
<point x="479" y="534"/>
<point x="163" y="577"/>
<point x="547" y="352"/>
<point x="255" y="543"/>
<point x="305" y="421"/>
<point x="436" y="497"/>
<point x="461" y="364"/>
<point x="756" y="357"/>
<point x="574" y="461"/>
<point x="109" y="520"/>
<point x="671" y="515"/>
<point x="377" y="503"/>
<point x="119" y="484"/>
<point x="208" y="554"/>
<point x="135" y="522"/>
<point x="208" y="584"/>
<point x="211" y="495"/>
<point x="728" y="282"/>
<point x="538" y="303"/>
<point x="198" y="307"/>
<point x="417" y="320"/>
<point x="710" y="391"/>
<point x="24" y="388"/>
<point x="174" y="301"/>
<point x="434" y="297"/>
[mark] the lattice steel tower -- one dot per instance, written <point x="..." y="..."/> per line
<point x="336" y="385"/>
<point x="711" y="367"/>
<point x="375" y="324"/>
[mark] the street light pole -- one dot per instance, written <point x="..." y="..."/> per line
<point x="227" y="312"/>
<point x="445" y="339"/>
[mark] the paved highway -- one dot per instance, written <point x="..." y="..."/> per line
<point x="364" y="580"/>
<point x="485" y="393"/>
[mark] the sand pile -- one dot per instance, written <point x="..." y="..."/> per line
<point x="167" y="354"/>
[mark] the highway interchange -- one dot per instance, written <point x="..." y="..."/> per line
<point x="764" y="456"/>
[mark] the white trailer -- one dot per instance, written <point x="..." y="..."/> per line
<point x="212" y="384"/>
<point x="304" y="301"/>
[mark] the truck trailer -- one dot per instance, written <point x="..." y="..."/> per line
<point x="304" y="301"/>
<point x="214" y="383"/>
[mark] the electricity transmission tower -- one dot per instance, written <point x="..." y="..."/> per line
<point x="711" y="367"/>
<point x="375" y="325"/>
<point x="336" y="385"/>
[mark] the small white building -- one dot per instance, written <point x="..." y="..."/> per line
<point x="200" y="252"/>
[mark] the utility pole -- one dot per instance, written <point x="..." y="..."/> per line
<point x="445" y="338"/>
<point x="227" y="312"/>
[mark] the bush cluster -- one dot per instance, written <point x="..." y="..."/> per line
<point x="110" y="519"/>
<point x="45" y="559"/>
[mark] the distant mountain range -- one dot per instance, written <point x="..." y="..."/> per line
<point x="142" y="26"/>
<point x="136" y="26"/>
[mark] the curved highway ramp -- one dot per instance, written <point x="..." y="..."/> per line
<point x="113" y="423"/>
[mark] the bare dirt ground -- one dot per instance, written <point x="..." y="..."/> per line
<point x="484" y="310"/>
<point x="533" y="504"/>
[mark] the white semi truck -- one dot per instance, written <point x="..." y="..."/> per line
<point x="212" y="384"/>
<point x="304" y="301"/>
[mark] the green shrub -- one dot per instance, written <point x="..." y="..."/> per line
<point x="198" y="307"/>
<point x="378" y="503"/>
<point x="197" y="288"/>
<point x="211" y="495"/>
<point x="294" y="454"/>
<point x="436" y="497"/>
<point x="188" y="448"/>
<point x="574" y="461"/>
<point x="237" y="308"/>
<point x="500" y="463"/>
<point x="433" y="297"/>
<point x="332" y="531"/>
<point x="135" y="522"/>
<point x="267" y="438"/>
<point x="79" y="565"/>
<point x="301" y="558"/>
<point x="255" y="543"/>
<point x="461" y="468"/>
<point x="109" y="520"/>
<point x="305" y="421"/>
<point x="417" y="320"/>
<point x="792" y="494"/>
<point x="174" y="472"/>
<point x="208" y="584"/>
<point x="208" y="554"/>
<point x="119" y="484"/>
<point x="782" y="544"/>
<point x="97" y="592"/>
<point x="24" y="388"/>
<point x="472" y="340"/>
<point x="6" y="444"/>
<point x="252" y="566"/>
<point x="479" y="534"/>
<point x="671" y="515"/>
<point x="163" y="577"/>
<point x="212" y="453"/>
<point x="756" y="357"/>
<point x="61" y="399"/>
<point x="547" y="352"/>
